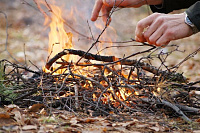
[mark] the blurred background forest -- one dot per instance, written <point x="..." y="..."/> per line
<point x="28" y="37"/>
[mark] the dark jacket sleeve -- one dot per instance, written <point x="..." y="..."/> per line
<point x="193" y="10"/>
<point x="194" y="14"/>
<point x="170" y="5"/>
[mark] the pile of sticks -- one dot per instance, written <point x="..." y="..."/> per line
<point x="114" y="85"/>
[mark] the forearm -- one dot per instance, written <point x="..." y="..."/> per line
<point x="170" y="5"/>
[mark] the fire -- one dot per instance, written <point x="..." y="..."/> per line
<point x="59" y="40"/>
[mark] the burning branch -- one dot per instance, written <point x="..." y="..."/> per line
<point x="103" y="92"/>
<point x="112" y="60"/>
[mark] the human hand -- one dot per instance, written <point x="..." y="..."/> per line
<point x="105" y="6"/>
<point x="159" y="29"/>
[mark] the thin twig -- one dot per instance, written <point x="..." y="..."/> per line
<point x="6" y="42"/>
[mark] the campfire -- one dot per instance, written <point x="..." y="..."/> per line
<point x="101" y="85"/>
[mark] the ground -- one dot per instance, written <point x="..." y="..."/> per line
<point x="27" y="43"/>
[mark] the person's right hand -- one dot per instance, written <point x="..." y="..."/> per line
<point x="159" y="29"/>
<point x="105" y="6"/>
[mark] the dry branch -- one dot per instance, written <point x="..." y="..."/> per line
<point x="121" y="61"/>
<point x="172" y="106"/>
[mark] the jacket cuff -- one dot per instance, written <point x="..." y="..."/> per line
<point x="170" y="5"/>
<point x="194" y="14"/>
<point x="164" y="8"/>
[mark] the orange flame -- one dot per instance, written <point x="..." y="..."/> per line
<point x="60" y="40"/>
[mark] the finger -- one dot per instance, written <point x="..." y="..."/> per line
<point x="153" y="38"/>
<point x="124" y="3"/>
<point x="144" y="24"/>
<point x="165" y="38"/>
<point x="97" y="7"/>
<point x="141" y="39"/>
<point x="154" y="31"/>
<point x="141" y="25"/>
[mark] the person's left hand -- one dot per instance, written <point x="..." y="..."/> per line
<point x="105" y="6"/>
<point x="159" y="29"/>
